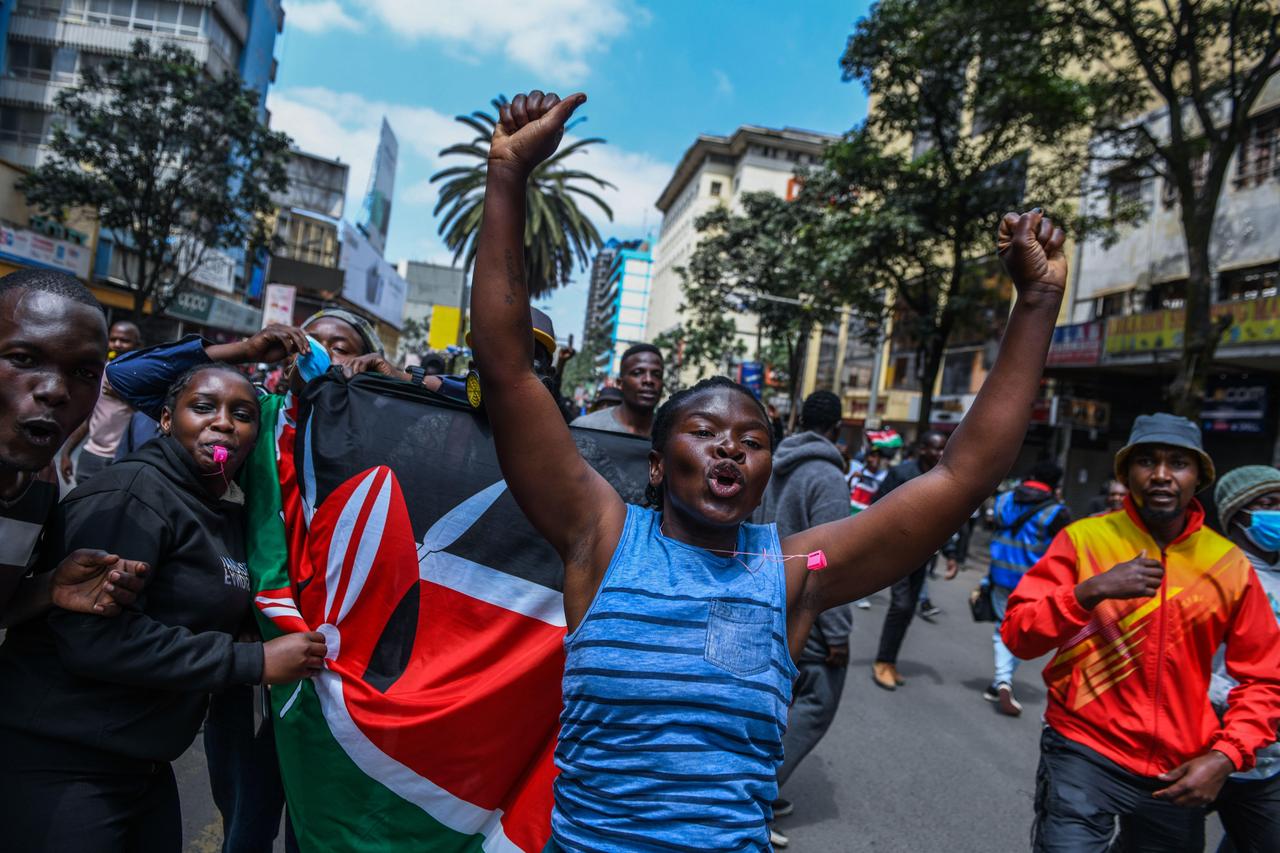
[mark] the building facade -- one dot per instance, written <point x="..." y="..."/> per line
<point x="435" y="299"/>
<point x="46" y="44"/>
<point x="716" y="170"/>
<point x="618" y="302"/>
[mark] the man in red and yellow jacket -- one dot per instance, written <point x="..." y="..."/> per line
<point x="1136" y="602"/>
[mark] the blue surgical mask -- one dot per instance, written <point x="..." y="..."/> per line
<point x="1264" y="529"/>
<point x="314" y="363"/>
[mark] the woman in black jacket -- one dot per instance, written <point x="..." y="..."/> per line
<point x="94" y="709"/>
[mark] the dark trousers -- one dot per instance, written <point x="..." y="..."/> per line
<point x="816" y="698"/>
<point x="1081" y="796"/>
<point x="244" y="775"/>
<point x="57" y="797"/>
<point x="903" y="598"/>
<point x="1250" y="813"/>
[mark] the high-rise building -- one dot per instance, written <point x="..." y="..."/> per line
<point x="618" y="301"/>
<point x="716" y="170"/>
<point x="46" y="44"/>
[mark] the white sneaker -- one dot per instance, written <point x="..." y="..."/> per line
<point x="777" y="839"/>
<point x="1006" y="704"/>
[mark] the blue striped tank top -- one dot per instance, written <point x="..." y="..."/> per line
<point x="676" y="688"/>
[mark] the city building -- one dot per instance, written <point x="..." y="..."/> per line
<point x="45" y="45"/>
<point x="435" y="300"/>
<point x="716" y="170"/>
<point x="1120" y="352"/>
<point x="618" y="302"/>
<point x="309" y="246"/>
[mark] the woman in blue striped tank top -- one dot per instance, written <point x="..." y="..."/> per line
<point x="683" y="619"/>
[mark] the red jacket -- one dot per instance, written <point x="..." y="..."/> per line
<point x="1130" y="679"/>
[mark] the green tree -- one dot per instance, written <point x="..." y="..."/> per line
<point x="1173" y="85"/>
<point x="174" y="160"/>
<point x="963" y="92"/>
<point x="769" y="262"/>
<point x="414" y="334"/>
<point x="557" y="233"/>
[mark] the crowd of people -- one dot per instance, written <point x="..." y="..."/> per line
<point x="707" y="639"/>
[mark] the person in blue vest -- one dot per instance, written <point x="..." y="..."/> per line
<point x="1027" y="518"/>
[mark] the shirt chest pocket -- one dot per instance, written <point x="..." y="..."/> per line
<point x="739" y="637"/>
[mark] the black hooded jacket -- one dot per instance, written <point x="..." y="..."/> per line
<point x="137" y="684"/>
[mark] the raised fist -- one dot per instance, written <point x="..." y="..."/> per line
<point x="1031" y="248"/>
<point x="529" y="129"/>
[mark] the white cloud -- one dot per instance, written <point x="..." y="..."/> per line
<point x="724" y="86"/>
<point x="318" y="16"/>
<point x="552" y="38"/>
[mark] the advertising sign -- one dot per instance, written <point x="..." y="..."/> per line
<point x="29" y="247"/>
<point x="751" y="374"/>
<point x="277" y="304"/>
<point x="216" y="270"/>
<point x="1235" y="405"/>
<point x="1253" y="321"/>
<point x="445" y="331"/>
<point x="375" y="215"/>
<point x="1077" y="345"/>
<point x="368" y="280"/>
<point x="208" y="310"/>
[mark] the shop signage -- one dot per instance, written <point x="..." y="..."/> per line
<point x="29" y="247"/>
<point x="277" y="304"/>
<point x="751" y="374"/>
<point x="1236" y="404"/>
<point x="208" y="310"/>
<point x="216" y="270"/>
<point x="1252" y="321"/>
<point x="1077" y="345"/>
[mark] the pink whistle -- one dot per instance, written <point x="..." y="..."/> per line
<point x="220" y="456"/>
<point x="817" y="561"/>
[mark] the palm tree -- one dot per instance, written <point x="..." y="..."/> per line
<point x="556" y="232"/>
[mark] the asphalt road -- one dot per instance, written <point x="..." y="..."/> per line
<point x="930" y="766"/>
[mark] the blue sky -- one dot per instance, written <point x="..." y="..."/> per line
<point x="657" y="74"/>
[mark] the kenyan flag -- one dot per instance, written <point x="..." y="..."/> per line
<point x="381" y="520"/>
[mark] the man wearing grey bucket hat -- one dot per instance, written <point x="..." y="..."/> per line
<point x="1135" y="603"/>
<point x="1248" y="502"/>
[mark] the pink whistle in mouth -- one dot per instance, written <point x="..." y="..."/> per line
<point x="817" y="561"/>
<point x="220" y="456"/>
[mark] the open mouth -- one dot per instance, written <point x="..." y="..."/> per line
<point x="726" y="480"/>
<point x="41" y="432"/>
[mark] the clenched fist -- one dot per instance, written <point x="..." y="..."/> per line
<point x="1137" y="578"/>
<point x="529" y="129"/>
<point x="293" y="657"/>
<point x="1031" y="249"/>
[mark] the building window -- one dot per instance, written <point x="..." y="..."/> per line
<point x="1257" y="160"/>
<point x="21" y="126"/>
<point x="1257" y="282"/>
<point x="1170" y="295"/>
<point x="1199" y="170"/>
<point x="40" y="8"/>
<point x="1124" y="191"/>
<point x="715" y="187"/>
<point x="904" y="373"/>
<point x="957" y="373"/>
<point x="1115" y="305"/>
<point x="150" y="16"/>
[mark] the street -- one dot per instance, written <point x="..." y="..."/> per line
<point x="930" y="766"/>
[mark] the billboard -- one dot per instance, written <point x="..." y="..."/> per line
<point x="29" y="247"/>
<point x="368" y="280"/>
<point x="277" y="304"/>
<point x="446" y="327"/>
<point x="1252" y="321"/>
<point x="375" y="215"/>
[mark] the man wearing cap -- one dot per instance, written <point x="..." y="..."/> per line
<point x="641" y="386"/>
<point x="1136" y="603"/>
<point x="1248" y="502"/>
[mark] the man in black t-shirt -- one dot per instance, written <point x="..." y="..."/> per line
<point x="53" y="347"/>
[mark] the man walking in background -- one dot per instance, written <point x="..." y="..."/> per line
<point x="905" y="593"/>
<point x="1027" y="519"/>
<point x="807" y="489"/>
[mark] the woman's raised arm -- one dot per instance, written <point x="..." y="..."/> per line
<point x="571" y="505"/>
<point x="874" y="548"/>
